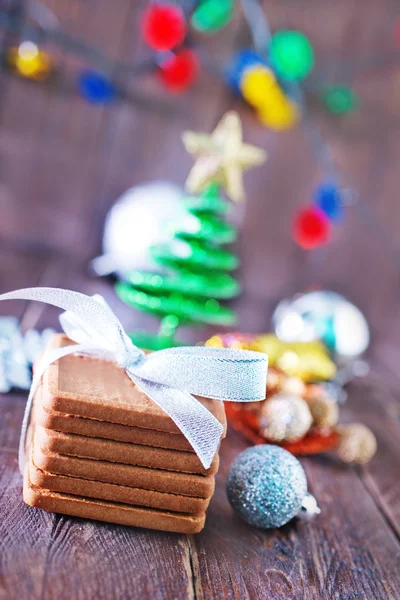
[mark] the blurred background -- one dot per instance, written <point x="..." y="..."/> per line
<point x="98" y="112"/>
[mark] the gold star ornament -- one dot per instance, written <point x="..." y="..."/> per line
<point x="221" y="157"/>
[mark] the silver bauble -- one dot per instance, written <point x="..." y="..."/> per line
<point x="267" y="487"/>
<point x="136" y="221"/>
<point x="323" y="315"/>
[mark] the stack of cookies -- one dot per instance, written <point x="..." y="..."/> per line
<point x="100" y="448"/>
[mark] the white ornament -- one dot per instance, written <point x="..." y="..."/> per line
<point x="137" y="220"/>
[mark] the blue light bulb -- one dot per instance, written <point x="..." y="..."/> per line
<point x="328" y="198"/>
<point x="96" y="88"/>
<point x="241" y="61"/>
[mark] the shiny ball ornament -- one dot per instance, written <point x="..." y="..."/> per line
<point x="30" y="62"/>
<point x="285" y="418"/>
<point x="328" y="198"/>
<point x="293" y="386"/>
<point x="256" y="84"/>
<point x="96" y="88"/>
<point x="311" y="228"/>
<point x="291" y="54"/>
<point x="340" y="99"/>
<point x="178" y="71"/>
<point x="266" y="486"/>
<point x="212" y="15"/>
<point x="324" y="410"/>
<point x="135" y="222"/>
<point x="325" y="316"/>
<point x="164" y="26"/>
<point x="357" y="443"/>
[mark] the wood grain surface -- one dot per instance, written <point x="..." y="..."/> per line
<point x="62" y="165"/>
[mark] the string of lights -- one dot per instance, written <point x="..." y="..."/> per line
<point x="275" y="77"/>
<point x="311" y="226"/>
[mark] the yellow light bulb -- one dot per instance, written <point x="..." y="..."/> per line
<point x="256" y="84"/>
<point x="29" y="61"/>
<point x="275" y="99"/>
<point x="279" y="116"/>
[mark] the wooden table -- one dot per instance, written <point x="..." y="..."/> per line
<point x="63" y="163"/>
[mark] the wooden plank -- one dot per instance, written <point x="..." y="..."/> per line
<point x="47" y="556"/>
<point x="336" y="556"/>
<point x="375" y="403"/>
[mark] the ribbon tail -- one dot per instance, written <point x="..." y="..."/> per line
<point x="45" y="362"/>
<point x="197" y="424"/>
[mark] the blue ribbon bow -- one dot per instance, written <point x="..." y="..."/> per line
<point x="169" y="377"/>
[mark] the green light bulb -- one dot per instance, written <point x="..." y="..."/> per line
<point x="212" y="15"/>
<point x="291" y="54"/>
<point x="340" y="99"/>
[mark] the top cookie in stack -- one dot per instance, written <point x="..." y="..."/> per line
<point x="103" y="449"/>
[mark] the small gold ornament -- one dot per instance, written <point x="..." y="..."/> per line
<point x="30" y="62"/>
<point x="275" y="380"/>
<point x="293" y="386"/>
<point x="324" y="410"/>
<point x="285" y="418"/>
<point x="238" y="341"/>
<point x="221" y="157"/>
<point x="357" y="443"/>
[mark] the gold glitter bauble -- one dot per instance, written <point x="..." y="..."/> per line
<point x="293" y="386"/>
<point x="275" y="380"/>
<point x="357" y="443"/>
<point x="324" y="410"/>
<point x="285" y="418"/>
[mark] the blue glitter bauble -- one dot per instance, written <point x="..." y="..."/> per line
<point x="266" y="486"/>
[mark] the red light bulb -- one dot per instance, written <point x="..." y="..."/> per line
<point x="311" y="228"/>
<point x="179" y="70"/>
<point x="396" y="33"/>
<point x="164" y="26"/>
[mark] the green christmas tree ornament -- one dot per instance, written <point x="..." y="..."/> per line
<point x="291" y="54"/>
<point x="340" y="99"/>
<point x="212" y="15"/>
<point x="191" y="272"/>
<point x="215" y="285"/>
<point x="192" y="275"/>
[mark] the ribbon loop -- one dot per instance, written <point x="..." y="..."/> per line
<point x="169" y="377"/>
<point x="219" y="373"/>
